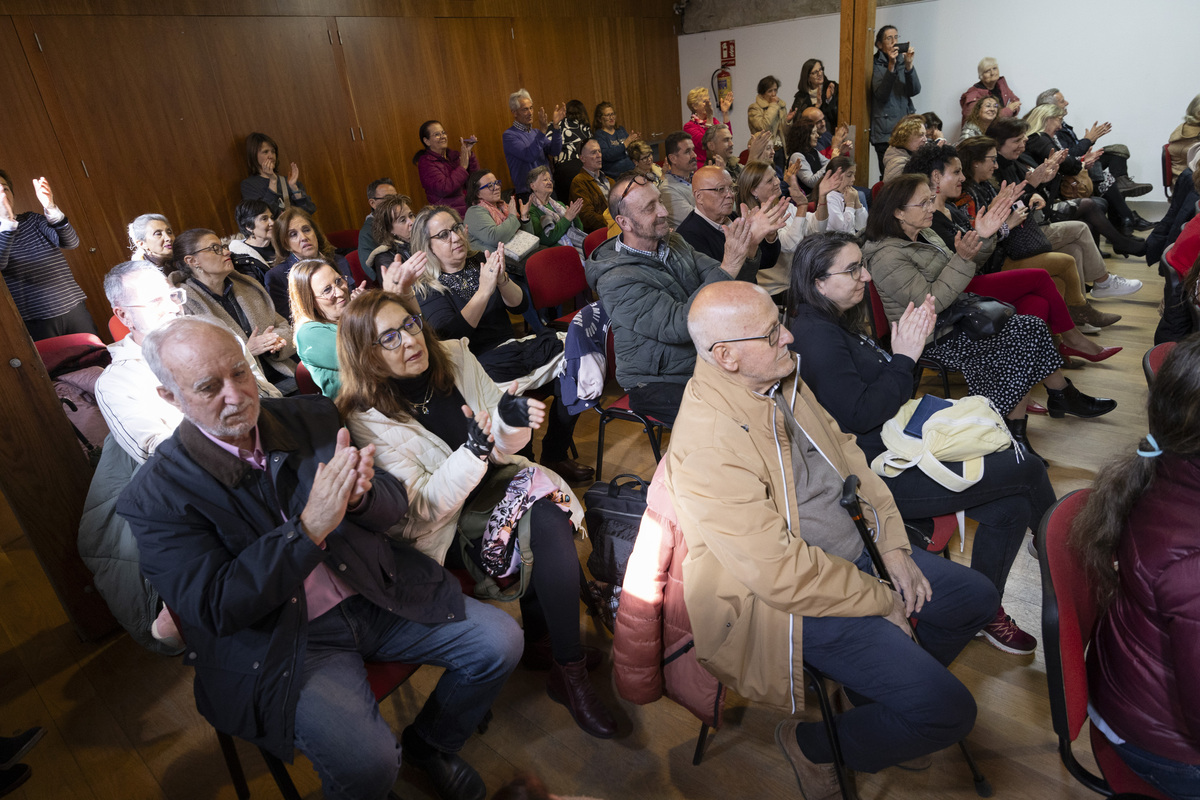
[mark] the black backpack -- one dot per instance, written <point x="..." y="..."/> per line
<point x="613" y="516"/>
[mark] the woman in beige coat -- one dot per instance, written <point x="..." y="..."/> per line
<point x="442" y="426"/>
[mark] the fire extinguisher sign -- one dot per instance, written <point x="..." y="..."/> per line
<point x="728" y="54"/>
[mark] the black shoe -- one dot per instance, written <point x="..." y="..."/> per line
<point x="452" y="778"/>
<point x="1129" y="246"/>
<point x="1070" y="400"/>
<point x="1125" y="226"/>
<point x="13" y="777"/>
<point x="1142" y="224"/>
<point x="1017" y="428"/>
<point x="14" y="749"/>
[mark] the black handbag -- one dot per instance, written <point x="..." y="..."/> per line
<point x="976" y="316"/>
<point x="1027" y="239"/>
<point x="613" y="516"/>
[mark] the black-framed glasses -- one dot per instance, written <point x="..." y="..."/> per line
<point x="338" y="283"/>
<point x="772" y="337"/>
<point x="217" y="249"/>
<point x="176" y="296"/>
<point x="391" y="338"/>
<point x="443" y="236"/>
<point x="854" y="272"/>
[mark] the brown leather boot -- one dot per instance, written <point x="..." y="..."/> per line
<point x="539" y="655"/>
<point x="1087" y="314"/>
<point x="569" y="685"/>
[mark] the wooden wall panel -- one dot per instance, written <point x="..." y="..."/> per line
<point x="660" y="65"/>
<point x="343" y="8"/>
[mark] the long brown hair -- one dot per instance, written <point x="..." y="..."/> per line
<point x="279" y="236"/>
<point x="752" y="174"/>
<point x="1173" y="417"/>
<point x="301" y="297"/>
<point x="366" y="381"/>
<point x="384" y="216"/>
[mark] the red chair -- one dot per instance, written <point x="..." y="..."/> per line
<point x="1069" y="614"/>
<point x="63" y="354"/>
<point x="356" y="271"/>
<point x="304" y="382"/>
<point x="555" y="275"/>
<point x="744" y="157"/>
<point x="1152" y="361"/>
<point x="344" y="241"/>
<point x="620" y="411"/>
<point x="117" y="328"/>
<point x="875" y="190"/>
<point x="1168" y="176"/>
<point x="594" y="240"/>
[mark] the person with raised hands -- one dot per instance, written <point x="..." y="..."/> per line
<point x="552" y="221"/>
<point x="525" y="146"/>
<point x="704" y="228"/>
<point x="267" y="184"/>
<point x="908" y="260"/>
<point x="39" y="279"/>
<point x="490" y="221"/>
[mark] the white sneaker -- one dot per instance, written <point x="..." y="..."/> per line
<point x="1090" y="330"/>
<point x="1116" y="286"/>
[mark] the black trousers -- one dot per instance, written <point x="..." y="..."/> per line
<point x="76" y="320"/>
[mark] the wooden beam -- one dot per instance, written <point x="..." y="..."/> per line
<point x="857" y="52"/>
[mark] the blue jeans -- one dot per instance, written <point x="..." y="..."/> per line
<point x="338" y="725"/>
<point x="1010" y="497"/>
<point x="1173" y="778"/>
<point x="912" y="705"/>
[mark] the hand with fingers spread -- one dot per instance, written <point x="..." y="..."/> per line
<point x="542" y="118"/>
<point x="1097" y="130"/>
<point x="725" y="103"/>
<point x="520" y="412"/>
<point x="831" y="181"/>
<point x="1090" y="157"/>
<point x="523" y="210"/>
<point x="560" y="112"/>
<point x="739" y="244"/>
<point x="795" y="190"/>
<point x="967" y="245"/>
<point x="914" y="326"/>
<point x="334" y="483"/>
<point x="401" y="276"/>
<point x="479" y="433"/>
<point x="990" y="220"/>
<point x="760" y="147"/>
<point x="573" y="210"/>
<point x="716" y="160"/>
<point x="767" y="219"/>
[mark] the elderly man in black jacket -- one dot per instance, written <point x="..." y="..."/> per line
<point x="264" y="531"/>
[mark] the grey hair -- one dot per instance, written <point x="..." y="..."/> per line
<point x="986" y="63"/>
<point x="1047" y="97"/>
<point x="171" y="332"/>
<point x="1192" y="117"/>
<point x="137" y="228"/>
<point x="114" y="281"/>
<point x="514" y="99"/>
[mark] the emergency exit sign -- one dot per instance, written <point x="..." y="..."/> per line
<point x="728" y="54"/>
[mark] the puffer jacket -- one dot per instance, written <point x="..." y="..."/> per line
<point x="892" y="92"/>
<point x="1145" y="654"/>
<point x="978" y="91"/>
<point x="905" y="271"/>
<point x="749" y="577"/>
<point x="653" y="649"/>
<point x="436" y="478"/>
<point x="648" y="301"/>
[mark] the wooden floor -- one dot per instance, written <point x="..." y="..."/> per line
<point x="121" y="722"/>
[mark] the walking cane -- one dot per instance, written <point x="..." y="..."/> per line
<point x="850" y="502"/>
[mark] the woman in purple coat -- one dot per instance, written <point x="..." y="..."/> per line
<point x="444" y="171"/>
<point x="1145" y="653"/>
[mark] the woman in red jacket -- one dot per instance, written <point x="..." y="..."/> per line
<point x="1145" y="654"/>
<point x="444" y="171"/>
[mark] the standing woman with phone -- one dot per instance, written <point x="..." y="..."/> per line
<point x="894" y="84"/>
<point x="443" y="171"/>
<point x="265" y="184"/>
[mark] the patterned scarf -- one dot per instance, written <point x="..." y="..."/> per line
<point x="499" y="213"/>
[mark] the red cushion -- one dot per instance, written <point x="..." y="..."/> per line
<point x="387" y="676"/>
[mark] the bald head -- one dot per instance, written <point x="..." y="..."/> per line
<point x="727" y="310"/>
<point x="713" y="189"/>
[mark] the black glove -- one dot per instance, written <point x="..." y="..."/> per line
<point x="477" y="441"/>
<point x="514" y="410"/>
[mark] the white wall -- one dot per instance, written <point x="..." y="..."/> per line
<point x="1133" y="64"/>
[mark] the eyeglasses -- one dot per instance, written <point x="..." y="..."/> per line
<point x="923" y="204"/>
<point x="391" y="339"/>
<point x="492" y="185"/>
<point x="176" y="296"/>
<point x="990" y="158"/>
<point x="772" y="337"/>
<point x="637" y="180"/>
<point x="854" y="272"/>
<point x="338" y="283"/>
<point x="217" y="249"/>
<point x="719" y="190"/>
<point x="443" y="236"/>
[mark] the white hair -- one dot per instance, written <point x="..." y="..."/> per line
<point x="985" y="64"/>
<point x="514" y="99"/>
<point x="137" y="228"/>
<point x="171" y="332"/>
<point x="114" y="281"/>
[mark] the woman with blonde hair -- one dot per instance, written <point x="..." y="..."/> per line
<point x="446" y="430"/>
<point x="906" y="138"/>
<point x="1186" y="134"/>
<point x="982" y="115"/>
<point x="318" y="295"/>
<point x="700" y="104"/>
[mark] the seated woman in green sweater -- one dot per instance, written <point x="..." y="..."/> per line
<point x="553" y="223"/>
<point x="318" y="294"/>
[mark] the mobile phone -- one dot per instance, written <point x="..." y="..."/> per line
<point x="902" y="48"/>
<point x="471" y="140"/>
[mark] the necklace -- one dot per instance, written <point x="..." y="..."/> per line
<point x="422" y="407"/>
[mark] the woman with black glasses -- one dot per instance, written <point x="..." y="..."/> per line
<point x="442" y="426"/>
<point x="214" y="288"/>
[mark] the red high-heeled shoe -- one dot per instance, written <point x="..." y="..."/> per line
<point x="1106" y="353"/>
<point x="1034" y="407"/>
